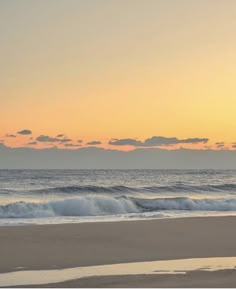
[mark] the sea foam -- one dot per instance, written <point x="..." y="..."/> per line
<point x="106" y="205"/>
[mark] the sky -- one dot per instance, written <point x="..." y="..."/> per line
<point x="118" y="74"/>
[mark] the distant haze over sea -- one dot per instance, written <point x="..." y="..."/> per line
<point x="98" y="158"/>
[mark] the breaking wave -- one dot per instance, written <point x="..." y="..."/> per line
<point x="104" y="205"/>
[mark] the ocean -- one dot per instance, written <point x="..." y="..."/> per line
<point x="71" y="196"/>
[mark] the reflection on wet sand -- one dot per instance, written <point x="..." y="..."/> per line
<point x="180" y="266"/>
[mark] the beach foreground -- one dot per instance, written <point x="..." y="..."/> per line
<point x="73" y="245"/>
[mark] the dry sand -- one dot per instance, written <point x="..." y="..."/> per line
<point x="74" y="245"/>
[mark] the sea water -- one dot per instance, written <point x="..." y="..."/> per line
<point x="69" y="196"/>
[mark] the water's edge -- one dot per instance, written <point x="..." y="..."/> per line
<point x="180" y="266"/>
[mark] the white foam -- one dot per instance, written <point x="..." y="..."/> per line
<point x="81" y="206"/>
<point x="94" y="205"/>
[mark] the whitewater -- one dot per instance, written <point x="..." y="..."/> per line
<point x="69" y="196"/>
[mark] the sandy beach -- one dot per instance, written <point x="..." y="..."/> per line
<point x="88" y="244"/>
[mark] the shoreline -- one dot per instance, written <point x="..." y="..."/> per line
<point x="125" y="272"/>
<point x="193" y="279"/>
<point x="72" y="245"/>
<point x="105" y="219"/>
<point x="60" y="246"/>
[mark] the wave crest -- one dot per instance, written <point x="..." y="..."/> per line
<point x="103" y="205"/>
<point x="84" y="206"/>
<point x="175" y="188"/>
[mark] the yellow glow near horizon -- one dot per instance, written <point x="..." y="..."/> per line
<point x="99" y="70"/>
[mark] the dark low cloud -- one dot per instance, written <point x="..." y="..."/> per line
<point x="46" y="138"/>
<point x="32" y="143"/>
<point x="64" y="140"/>
<point x="72" y="145"/>
<point x="10" y="135"/>
<point x="60" y="135"/>
<point x="79" y="140"/>
<point x="125" y="141"/>
<point x="160" y="140"/>
<point x="25" y="132"/>
<point x="92" y="143"/>
<point x="234" y="146"/>
<point x="156" y="141"/>
<point x="220" y="144"/>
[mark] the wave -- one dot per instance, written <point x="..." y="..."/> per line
<point x="103" y="205"/>
<point x="188" y="204"/>
<point x="87" y="189"/>
<point x="84" y="206"/>
<point x="192" y="188"/>
<point x="175" y="188"/>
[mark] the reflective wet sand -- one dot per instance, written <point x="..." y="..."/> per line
<point x="181" y="266"/>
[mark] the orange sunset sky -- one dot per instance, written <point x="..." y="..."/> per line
<point x="118" y="69"/>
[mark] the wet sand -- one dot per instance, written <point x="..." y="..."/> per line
<point x="73" y="245"/>
<point x="195" y="279"/>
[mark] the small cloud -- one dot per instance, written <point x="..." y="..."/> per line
<point x="60" y="135"/>
<point x="92" y="143"/>
<point x="46" y="138"/>
<point x="32" y="143"/>
<point x="234" y="146"/>
<point x="10" y="135"/>
<point x="25" y="132"/>
<point x="72" y="145"/>
<point x="79" y="140"/>
<point x="160" y="140"/>
<point x="156" y="141"/>
<point x="220" y="144"/>
<point x="125" y="141"/>
<point x="65" y="140"/>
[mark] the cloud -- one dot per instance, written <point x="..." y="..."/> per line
<point x="156" y="141"/>
<point x="10" y="135"/>
<point x="125" y="141"/>
<point x="32" y="143"/>
<point x="220" y="144"/>
<point x="72" y="145"/>
<point x="234" y="146"/>
<point x="65" y="140"/>
<point x="25" y="132"/>
<point x="92" y="143"/>
<point x="60" y="135"/>
<point x="46" y="138"/>
<point x="79" y="140"/>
